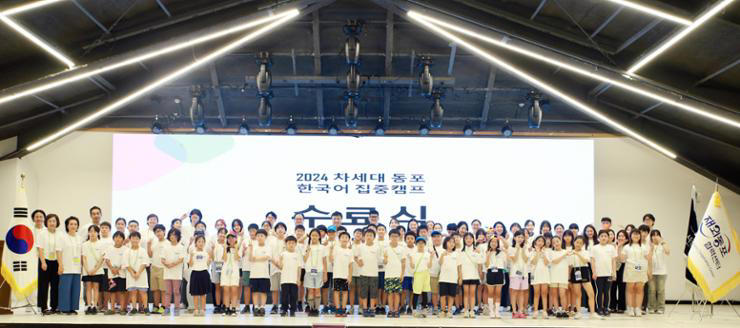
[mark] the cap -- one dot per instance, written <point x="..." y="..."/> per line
<point x="436" y="233"/>
<point x="418" y="239"/>
<point x="452" y="226"/>
<point x="331" y="229"/>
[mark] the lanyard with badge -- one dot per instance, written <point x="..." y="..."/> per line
<point x="53" y="243"/>
<point x="229" y="266"/>
<point x="76" y="251"/>
<point x="636" y="253"/>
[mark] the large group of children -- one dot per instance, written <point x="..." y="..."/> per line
<point x="419" y="268"/>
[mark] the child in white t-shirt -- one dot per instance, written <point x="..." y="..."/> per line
<point x="604" y="266"/>
<point x="136" y="260"/>
<point x="289" y="262"/>
<point x="541" y="275"/>
<point x="173" y="257"/>
<point x="394" y="259"/>
<point x="658" y="273"/>
<point x="342" y="258"/>
<point x="230" y="275"/>
<point x="92" y="267"/>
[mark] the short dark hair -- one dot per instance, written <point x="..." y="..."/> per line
<point x="280" y="224"/>
<point x="121" y="219"/>
<point x="51" y="216"/>
<point x="175" y="232"/>
<point x="235" y="222"/>
<point x="69" y="219"/>
<point x="196" y="212"/>
<point x="133" y="221"/>
<point x="152" y="215"/>
<point x="300" y="227"/>
<point x="644" y="227"/>
<point x="394" y="232"/>
<point x="648" y="216"/>
<point x="38" y="211"/>
<point x="573" y="226"/>
<point x="253" y="226"/>
<point x="606" y="232"/>
<point x="336" y="213"/>
<point x="95" y="208"/>
<point x="205" y="226"/>
<point x="134" y="234"/>
<point x="345" y="233"/>
<point x="606" y="219"/>
<point x="119" y="234"/>
<point x="105" y="224"/>
<point x="373" y="212"/>
<point x="369" y="231"/>
<point x="159" y="227"/>
<point x="410" y="233"/>
<point x="271" y="213"/>
<point x="262" y="232"/>
<point x="291" y="238"/>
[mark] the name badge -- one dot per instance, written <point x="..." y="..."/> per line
<point x="577" y="274"/>
<point x="75" y="260"/>
<point x="314" y="272"/>
<point x="518" y="273"/>
<point x="638" y="267"/>
<point x="494" y="270"/>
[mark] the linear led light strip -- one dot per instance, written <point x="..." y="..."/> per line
<point x="27" y="7"/>
<point x="653" y="11"/>
<point x="37" y="41"/>
<point x="138" y="93"/>
<point x="577" y="70"/>
<point x="542" y="85"/>
<point x="143" y="57"/>
<point x="673" y="40"/>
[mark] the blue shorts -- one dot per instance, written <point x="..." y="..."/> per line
<point x="408" y="283"/>
<point x="381" y="280"/>
<point x="137" y="288"/>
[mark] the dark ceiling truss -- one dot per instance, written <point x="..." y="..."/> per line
<point x="308" y="79"/>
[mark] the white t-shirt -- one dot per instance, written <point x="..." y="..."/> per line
<point x="420" y="261"/>
<point x="291" y="262"/>
<point x="328" y="248"/>
<point x="200" y="260"/>
<point x="497" y="261"/>
<point x="48" y="243"/>
<point x="218" y="252"/>
<point x="260" y="269"/>
<point x="383" y="244"/>
<point x="278" y="247"/>
<point x="316" y="256"/>
<point x="92" y="253"/>
<point x="71" y="248"/>
<point x="470" y="259"/>
<point x="409" y="270"/>
<point x="540" y="270"/>
<point x="147" y="234"/>
<point x="395" y="256"/>
<point x="173" y="253"/>
<point x="246" y="264"/>
<point x="343" y="258"/>
<point x="559" y="271"/>
<point x="602" y="259"/>
<point x="434" y="271"/>
<point x="636" y="256"/>
<point x="518" y="264"/>
<point x="370" y="256"/>
<point x="659" y="261"/>
<point x="356" y="248"/>
<point x="577" y="261"/>
<point x="157" y="251"/>
<point x="116" y="258"/>
<point x="134" y="259"/>
<point x="38" y="233"/>
<point x="231" y="264"/>
<point x="449" y="265"/>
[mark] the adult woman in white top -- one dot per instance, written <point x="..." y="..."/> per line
<point x="49" y="275"/>
<point x="658" y="272"/>
<point x="69" y="252"/>
<point x="635" y="258"/>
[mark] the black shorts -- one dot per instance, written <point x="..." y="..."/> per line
<point x="381" y="281"/>
<point x="494" y="278"/>
<point x="329" y="278"/>
<point x="585" y="275"/>
<point x="447" y="289"/>
<point x="340" y="285"/>
<point x="259" y="285"/>
<point x="104" y="283"/>
<point x="471" y="282"/>
<point x="303" y="274"/>
<point x="98" y="278"/>
<point x="119" y="285"/>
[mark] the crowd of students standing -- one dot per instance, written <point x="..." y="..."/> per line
<point x="418" y="268"/>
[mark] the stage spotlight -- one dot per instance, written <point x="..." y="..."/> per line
<point x="423" y="129"/>
<point x="200" y="128"/>
<point x="506" y="131"/>
<point x="243" y="127"/>
<point x="426" y="80"/>
<point x="468" y="130"/>
<point x="333" y="129"/>
<point x="380" y="127"/>
<point x="437" y="111"/>
<point x="350" y="113"/>
<point x="291" y="129"/>
<point x="156" y="126"/>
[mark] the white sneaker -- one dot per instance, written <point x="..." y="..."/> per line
<point x="578" y="315"/>
<point x="638" y="313"/>
<point x="595" y="316"/>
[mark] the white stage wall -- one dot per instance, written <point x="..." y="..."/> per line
<point x="629" y="180"/>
